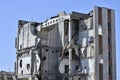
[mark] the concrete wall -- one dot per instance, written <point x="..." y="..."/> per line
<point x="66" y="62"/>
<point x="27" y="36"/>
<point x="24" y="60"/>
<point x="104" y="27"/>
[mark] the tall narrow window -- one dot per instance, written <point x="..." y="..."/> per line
<point x="22" y="72"/>
<point x="110" y="70"/>
<point x="100" y="16"/>
<point x="66" y="68"/>
<point x="109" y="40"/>
<point x="28" y="66"/>
<point x="100" y="71"/>
<point x="100" y="44"/>
<point x="110" y="56"/>
<point x="66" y="27"/>
<point x="21" y="63"/>
<point x="109" y="26"/>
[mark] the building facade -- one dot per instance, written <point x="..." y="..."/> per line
<point x="7" y="75"/>
<point x="73" y="46"/>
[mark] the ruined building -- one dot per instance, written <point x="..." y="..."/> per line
<point x="73" y="46"/>
<point x="7" y="75"/>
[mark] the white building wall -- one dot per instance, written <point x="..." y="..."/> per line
<point x="26" y="36"/>
<point x="66" y="62"/>
<point x="25" y="60"/>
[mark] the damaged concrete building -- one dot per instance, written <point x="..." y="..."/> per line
<point x="7" y="75"/>
<point x="73" y="46"/>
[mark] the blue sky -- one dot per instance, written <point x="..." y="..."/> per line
<point x="39" y="10"/>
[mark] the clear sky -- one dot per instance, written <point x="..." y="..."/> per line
<point x="39" y="10"/>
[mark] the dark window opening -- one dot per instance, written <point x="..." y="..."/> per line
<point x="91" y="39"/>
<point x="22" y="72"/>
<point x="81" y="19"/>
<point x="66" y="54"/>
<point x="56" y="51"/>
<point x="76" y="22"/>
<point x="66" y="27"/>
<point x="43" y="58"/>
<point x="75" y="29"/>
<point x="100" y="44"/>
<point x="73" y="51"/>
<point x="80" y="78"/>
<point x="109" y="26"/>
<point x="46" y="50"/>
<point x="53" y="51"/>
<point x="20" y="46"/>
<point x="50" y="22"/>
<point x="28" y="66"/>
<point x="53" y="21"/>
<point x="99" y="16"/>
<point x="100" y="71"/>
<point x="77" y="67"/>
<point x="35" y="32"/>
<point x="45" y="71"/>
<point x="85" y="67"/>
<point x="109" y="40"/>
<point x="56" y="20"/>
<point x="110" y="70"/>
<point x="66" y="68"/>
<point x="110" y="56"/>
<point x="21" y="63"/>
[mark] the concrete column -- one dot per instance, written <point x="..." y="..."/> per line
<point x="113" y="45"/>
<point x="96" y="48"/>
<point x="70" y="51"/>
<point x="17" y="65"/>
<point x="105" y="44"/>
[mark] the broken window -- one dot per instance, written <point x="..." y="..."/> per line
<point x="110" y="70"/>
<point x="100" y="16"/>
<point x="53" y="51"/>
<point x="109" y="26"/>
<point x="66" y="54"/>
<point x="110" y="56"/>
<point x="45" y="71"/>
<point x="100" y="71"/>
<point x="56" y="51"/>
<point x="73" y="51"/>
<point x="22" y="72"/>
<point x="100" y="43"/>
<point x="66" y="27"/>
<point x="66" y="68"/>
<point x="109" y="40"/>
<point x="21" y="63"/>
<point x="76" y="25"/>
<point x="46" y="49"/>
<point x="90" y="39"/>
<point x="43" y="58"/>
<point x="21" y="46"/>
<point x="28" y="66"/>
<point x="77" y="67"/>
